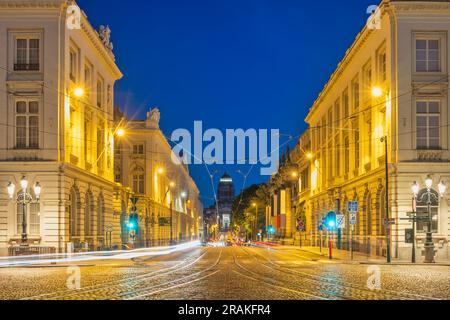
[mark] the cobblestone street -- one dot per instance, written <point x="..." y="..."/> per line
<point x="231" y="273"/>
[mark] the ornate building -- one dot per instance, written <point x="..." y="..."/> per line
<point x="168" y="206"/>
<point x="57" y="92"/>
<point x="392" y="83"/>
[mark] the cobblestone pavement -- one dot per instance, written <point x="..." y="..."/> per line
<point x="236" y="273"/>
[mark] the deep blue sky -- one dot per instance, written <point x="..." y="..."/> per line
<point x="230" y="63"/>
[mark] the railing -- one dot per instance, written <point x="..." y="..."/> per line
<point x="26" y="67"/>
<point x="28" y="251"/>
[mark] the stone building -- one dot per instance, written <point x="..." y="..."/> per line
<point x="168" y="205"/>
<point x="57" y="91"/>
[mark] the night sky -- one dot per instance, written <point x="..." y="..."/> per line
<point x="229" y="63"/>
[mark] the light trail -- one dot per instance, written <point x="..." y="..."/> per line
<point x="61" y="258"/>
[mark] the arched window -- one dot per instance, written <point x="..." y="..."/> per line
<point x="101" y="217"/>
<point x="73" y="210"/>
<point x="89" y="215"/>
<point x="138" y="177"/>
<point x="422" y="210"/>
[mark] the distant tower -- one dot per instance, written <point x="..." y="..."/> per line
<point x="225" y="201"/>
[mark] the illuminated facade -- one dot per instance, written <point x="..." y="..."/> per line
<point x="144" y="164"/>
<point x="57" y="93"/>
<point x="392" y="82"/>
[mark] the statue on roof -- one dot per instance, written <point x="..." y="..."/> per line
<point x="105" y="36"/>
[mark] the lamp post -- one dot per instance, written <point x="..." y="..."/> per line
<point x="24" y="198"/>
<point x="387" y="222"/>
<point x="255" y="224"/>
<point x="429" y="196"/>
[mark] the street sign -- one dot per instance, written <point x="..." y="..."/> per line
<point x="409" y="235"/>
<point x="340" y="221"/>
<point x="353" y="206"/>
<point x="352" y="220"/>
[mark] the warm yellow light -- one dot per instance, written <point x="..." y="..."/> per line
<point x="294" y="174"/>
<point x="172" y="184"/>
<point x="377" y="92"/>
<point x="254" y="205"/>
<point x="160" y="170"/>
<point x="78" y="92"/>
<point x="309" y="155"/>
<point x="120" y="132"/>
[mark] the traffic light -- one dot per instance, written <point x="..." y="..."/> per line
<point x="330" y="221"/>
<point x="133" y="222"/>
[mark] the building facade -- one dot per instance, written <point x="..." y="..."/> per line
<point x="168" y="206"/>
<point x="391" y="87"/>
<point x="225" y="200"/>
<point x="57" y="93"/>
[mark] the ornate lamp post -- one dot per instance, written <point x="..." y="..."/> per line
<point x="24" y="198"/>
<point x="429" y="196"/>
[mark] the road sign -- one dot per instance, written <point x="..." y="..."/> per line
<point x="409" y="235"/>
<point x="389" y="221"/>
<point x="353" y="206"/>
<point x="340" y="221"/>
<point x="352" y="218"/>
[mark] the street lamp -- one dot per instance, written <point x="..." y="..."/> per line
<point x="78" y="92"/>
<point x="24" y="198"/>
<point x="377" y="92"/>
<point x="171" y="186"/>
<point x="429" y="196"/>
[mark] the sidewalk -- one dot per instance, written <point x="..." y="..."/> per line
<point x="344" y="256"/>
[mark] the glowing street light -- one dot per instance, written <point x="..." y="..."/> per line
<point x="160" y="170"/>
<point x="120" y="132"/>
<point x="415" y="188"/>
<point x="309" y="155"/>
<point x="377" y="92"/>
<point x="442" y="188"/>
<point x="78" y="92"/>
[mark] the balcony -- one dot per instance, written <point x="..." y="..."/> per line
<point x="26" y="67"/>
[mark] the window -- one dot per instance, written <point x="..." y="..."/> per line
<point x="73" y="65"/>
<point x="27" y="54"/>
<point x="89" y="215"/>
<point x="337" y="158"/>
<point x="347" y="154"/>
<point x="304" y="180"/>
<point x="337" y="113"/>
<point x="101" y="218"/>
<point x="381" y="65"/>
<point x="100" y="92"/>
<point x="428" y="55"/>
<point x="27" y="124"/>
<point x="355" y="93"/>
<point x="367" y="81"/>
<point x="35" y="219"/>
<point x="330" y="121"/>
<point x="88" y="74"/>
<point x="72" y="211"/>
<point x="345" y="103"/>
<point x="357" y="150"/>
<point x="427" y="124"/>
<point x="100" y="145"/>
<point x="138" y="149"/>
<point x="88" y="139"/>
<point x="422" y="211"/>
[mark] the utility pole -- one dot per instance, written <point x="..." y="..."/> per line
<point x="388" y="223"/>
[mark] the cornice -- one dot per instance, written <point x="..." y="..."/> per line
<point x="31" y="4"/>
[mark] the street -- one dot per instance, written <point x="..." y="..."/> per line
<point x="225" y="273"/>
